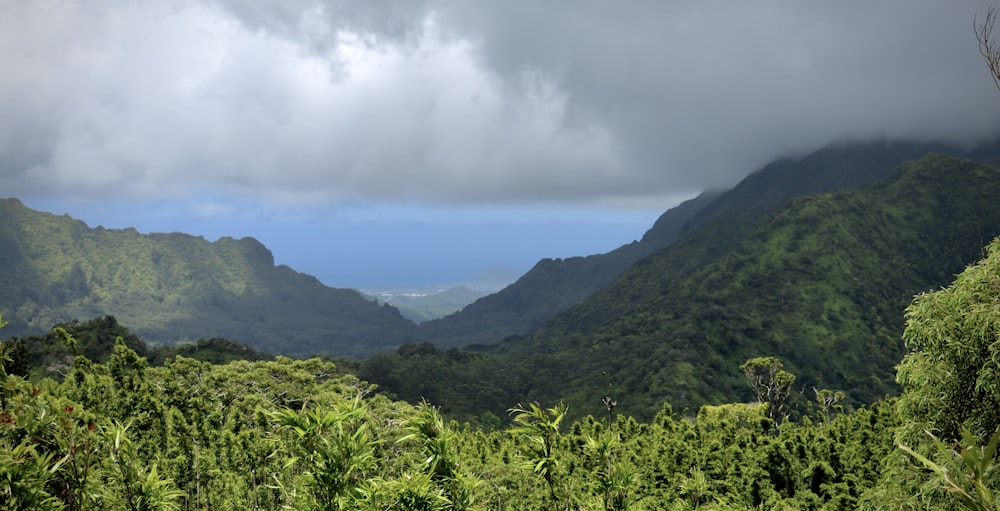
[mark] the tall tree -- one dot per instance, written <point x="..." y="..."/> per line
<point x="770" y="383"/>
<point x="951" y="374"/>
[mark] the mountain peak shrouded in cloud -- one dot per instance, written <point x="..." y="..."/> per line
<point x="321" y="105"/>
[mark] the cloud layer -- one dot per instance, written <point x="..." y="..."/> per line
<point x="460" y="102"/>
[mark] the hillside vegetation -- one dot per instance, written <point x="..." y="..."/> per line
<point x="299" y="434"/>
<point x="52" y="354"/>
<point x="822" y="285"/>
<point x="172" y="287"/>
<point x="717" y="220"/>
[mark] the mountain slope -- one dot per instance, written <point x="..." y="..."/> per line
<point x="720" y="227"/>
<point x="170" y="287"/>
<point x="553" y="286"/>
<point x="822" y="285"/>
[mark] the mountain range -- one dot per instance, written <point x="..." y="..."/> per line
<point x="821" y="282"/>
<point x="715" y="218"/>
<point x="812" y="259"/>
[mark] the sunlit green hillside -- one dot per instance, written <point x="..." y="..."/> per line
<point x="171" y="287"/>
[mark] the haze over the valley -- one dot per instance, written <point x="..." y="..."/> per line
<point x="416" y="142"/>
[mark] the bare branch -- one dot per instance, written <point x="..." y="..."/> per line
<point x="988" y="47"/>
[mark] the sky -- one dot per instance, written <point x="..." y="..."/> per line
<point x="409" y="142"/>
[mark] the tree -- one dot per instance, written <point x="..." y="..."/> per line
<point x="613" y="481"/>
<point x="827" y="399"/>
<point x="988" y="46"/>
<point x="951" y="379"/>
<point x="335" y="448"/>
<point x="770" y="383"/>
<point x="540" y="427"/>
<point x="965" y="469"/>
<point x="137" y="484"/>
<point x="951" y="375"/>
<point x="440" y="456"/>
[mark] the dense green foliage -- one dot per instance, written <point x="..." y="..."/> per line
<point x="822" y="286"/>
<point x="952" y="378"/>
<point x="952" y="369"/>
<point x="52" y="354"/>
<point x="173" y="287"/>
<point x="298" y="434"/>
<point x="950" y="424"/>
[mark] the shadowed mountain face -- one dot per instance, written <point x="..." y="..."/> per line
<point x="554" y="286"/>
<point x="170" y="287"/>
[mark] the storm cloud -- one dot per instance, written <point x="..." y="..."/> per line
<point x="577" y="102"/>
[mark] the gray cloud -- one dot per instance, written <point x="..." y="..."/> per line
<point x="706" y="88"/>
<point x="460" y="102"/>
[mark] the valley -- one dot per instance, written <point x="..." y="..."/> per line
<point x="802" y="264"/>
<point x="499" y="256"/>
<point x="419" y="304"/>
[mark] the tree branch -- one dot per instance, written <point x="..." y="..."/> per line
<point x="988" y="47"/>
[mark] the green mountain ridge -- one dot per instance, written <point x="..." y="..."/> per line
<point x="173" y="287"/>
<point x="717" y="218"/>
<point x="822" y="286"/>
